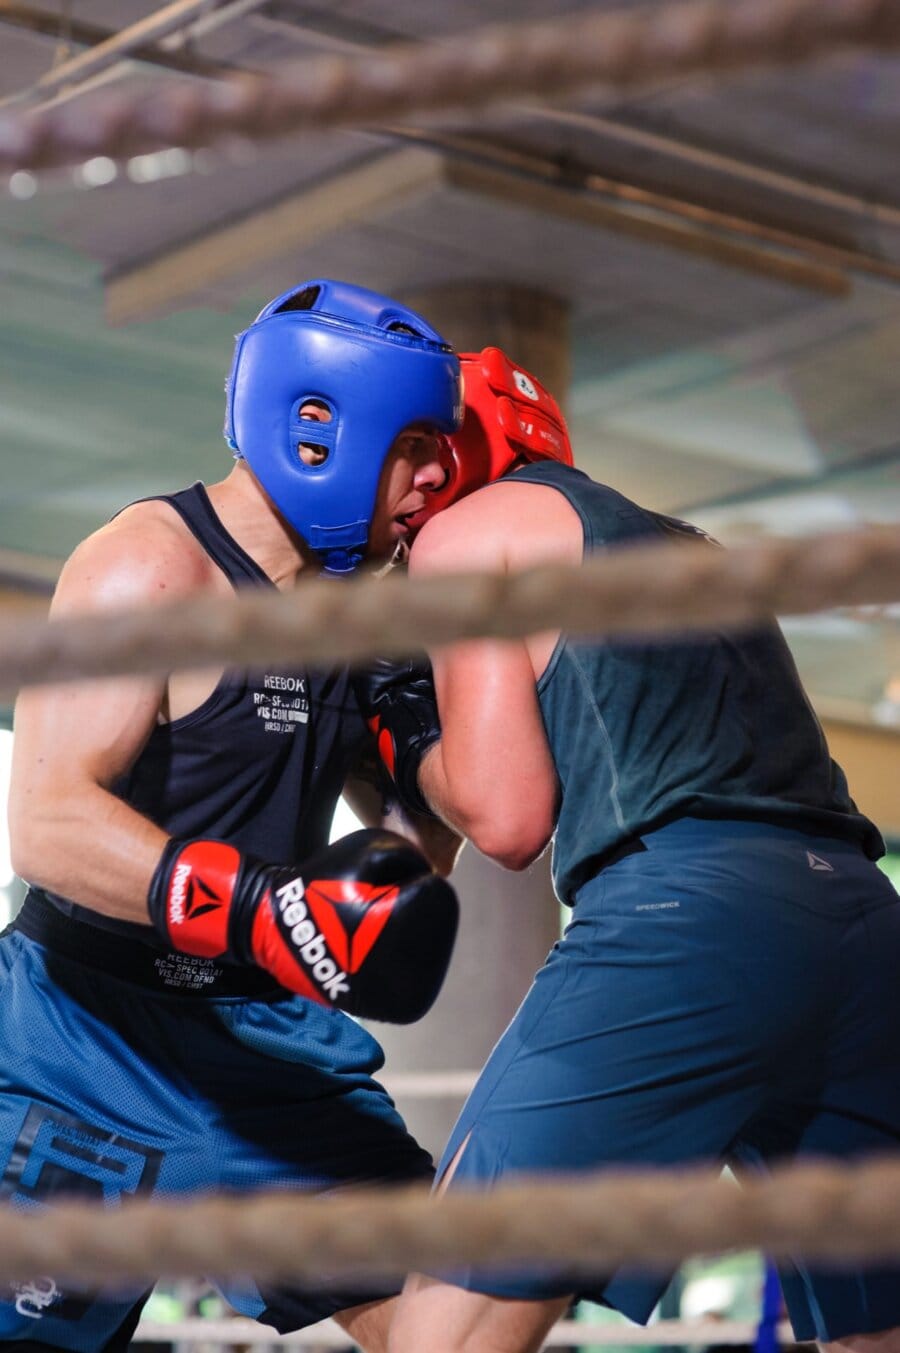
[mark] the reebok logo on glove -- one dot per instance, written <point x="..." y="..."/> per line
<point x="183" y="902"/>
<point x="364" y="924"/>
<point x="196" y="897"/>
<point x="351" y="946"/>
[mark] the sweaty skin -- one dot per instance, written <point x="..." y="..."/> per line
<point x="74" y="741"/>
<point x="491" y="776"/>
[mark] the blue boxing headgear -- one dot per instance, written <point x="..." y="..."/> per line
<point x="376" y="365"/>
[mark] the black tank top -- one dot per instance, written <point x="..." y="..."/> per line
<point x="712" y="726"/>
<point x="261" y="762"/>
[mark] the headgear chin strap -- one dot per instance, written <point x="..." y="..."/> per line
<point x="374" y="364"/>
<point x="509" y="416"/>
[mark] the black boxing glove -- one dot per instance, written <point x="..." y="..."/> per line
<point x="364" y="924"/>
<point x="398" y="702"/>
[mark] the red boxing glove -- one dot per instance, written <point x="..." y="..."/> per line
<point x="364" y="924"/>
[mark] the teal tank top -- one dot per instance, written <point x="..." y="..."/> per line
<point x="712" y="726"/>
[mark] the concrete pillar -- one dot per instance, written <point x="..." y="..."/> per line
<point x="509" y="921"/>
<point x="530" y="326"/>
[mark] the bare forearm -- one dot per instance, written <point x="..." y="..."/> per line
<point x="438" y="842"/>
<point x="472" y="801"/>
<point x="90" y="847"/>
<point x="436" y="789"/>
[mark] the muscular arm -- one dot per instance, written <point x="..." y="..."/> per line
<point x="69" y="833"/>
<point x="491" y="775"/>
<point x="439" y="843"/>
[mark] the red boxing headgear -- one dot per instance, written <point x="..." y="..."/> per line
<point x="508" y="416"/>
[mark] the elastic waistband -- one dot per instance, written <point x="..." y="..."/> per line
<point x="700" y="834"/>
<point x="130" y="960"/>
<point x="740" y="830"/>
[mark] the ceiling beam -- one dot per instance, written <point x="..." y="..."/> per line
<point x="579" y="181"/>
<point x="349" y="36"/>
<point x="623" y="49"/>
<point x="731" y="166"/>
<point x="110" y="58"/>
<point x="172" y="18"/>
<point x="573" y="203"/>
<point x="236" y="251"/>
<point x="50" y="24"/>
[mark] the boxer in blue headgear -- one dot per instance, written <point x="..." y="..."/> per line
<point x="376" y="366"/>
<point x="192" y="946"/>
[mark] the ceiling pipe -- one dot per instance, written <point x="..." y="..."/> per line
<point x="581" y="181"/>
<point x="46" y="23"/>
<point x="126" y="44"/>
<point x="805" y="190"/>
<point x="879" y="213"/>
<point x="872" y="211"/>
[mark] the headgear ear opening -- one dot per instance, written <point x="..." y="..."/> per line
<point x="375" y="364"/>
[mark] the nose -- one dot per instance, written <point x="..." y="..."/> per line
<point x="430" y="474"/>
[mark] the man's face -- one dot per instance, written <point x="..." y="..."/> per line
<point x="410" y="473"/>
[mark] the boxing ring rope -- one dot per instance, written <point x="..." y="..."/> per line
<point x="597" y="1221"/>
<point x="594" y="1222"/>
<point x="642" y="589"/>
<point x="666" y="1333"/>
<point x="590" y="1223"/>
<point x="622" y="49"/>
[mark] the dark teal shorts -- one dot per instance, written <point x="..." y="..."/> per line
<point x="729" y="992"/>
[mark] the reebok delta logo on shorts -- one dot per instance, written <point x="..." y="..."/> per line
<point x="816" y="862"/>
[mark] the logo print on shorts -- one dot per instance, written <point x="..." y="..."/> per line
<point x="57" y="1156"/>
<point x="816" y="862"/>
<point x="33" y="1298"/>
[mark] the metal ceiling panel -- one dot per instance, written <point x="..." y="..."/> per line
<point x="770" y="406"/>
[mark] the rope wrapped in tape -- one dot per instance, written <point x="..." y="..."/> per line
<point x="623" y="49"/>
<point x="590" y="1223"/>
<point x="653" y="589"/>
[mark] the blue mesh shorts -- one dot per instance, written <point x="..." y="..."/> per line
<point x="148" y="1082"/>
<point x="726" y="992"/>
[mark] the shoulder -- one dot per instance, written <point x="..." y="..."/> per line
<point x="468" y="531"/>
<point x="507" y="524"/>
<point x="144" y="556"/>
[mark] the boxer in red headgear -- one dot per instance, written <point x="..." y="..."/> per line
<point x="509" y="418"/>
<point x="694" y="812"/>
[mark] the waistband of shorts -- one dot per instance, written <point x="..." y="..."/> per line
<point x="748" y="829"/>
<point x="699" y="833"/>
<point x="131" y="960"/>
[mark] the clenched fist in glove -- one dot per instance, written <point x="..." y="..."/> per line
<point x="399" y="704"/>
<point x="364" y="924"/>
